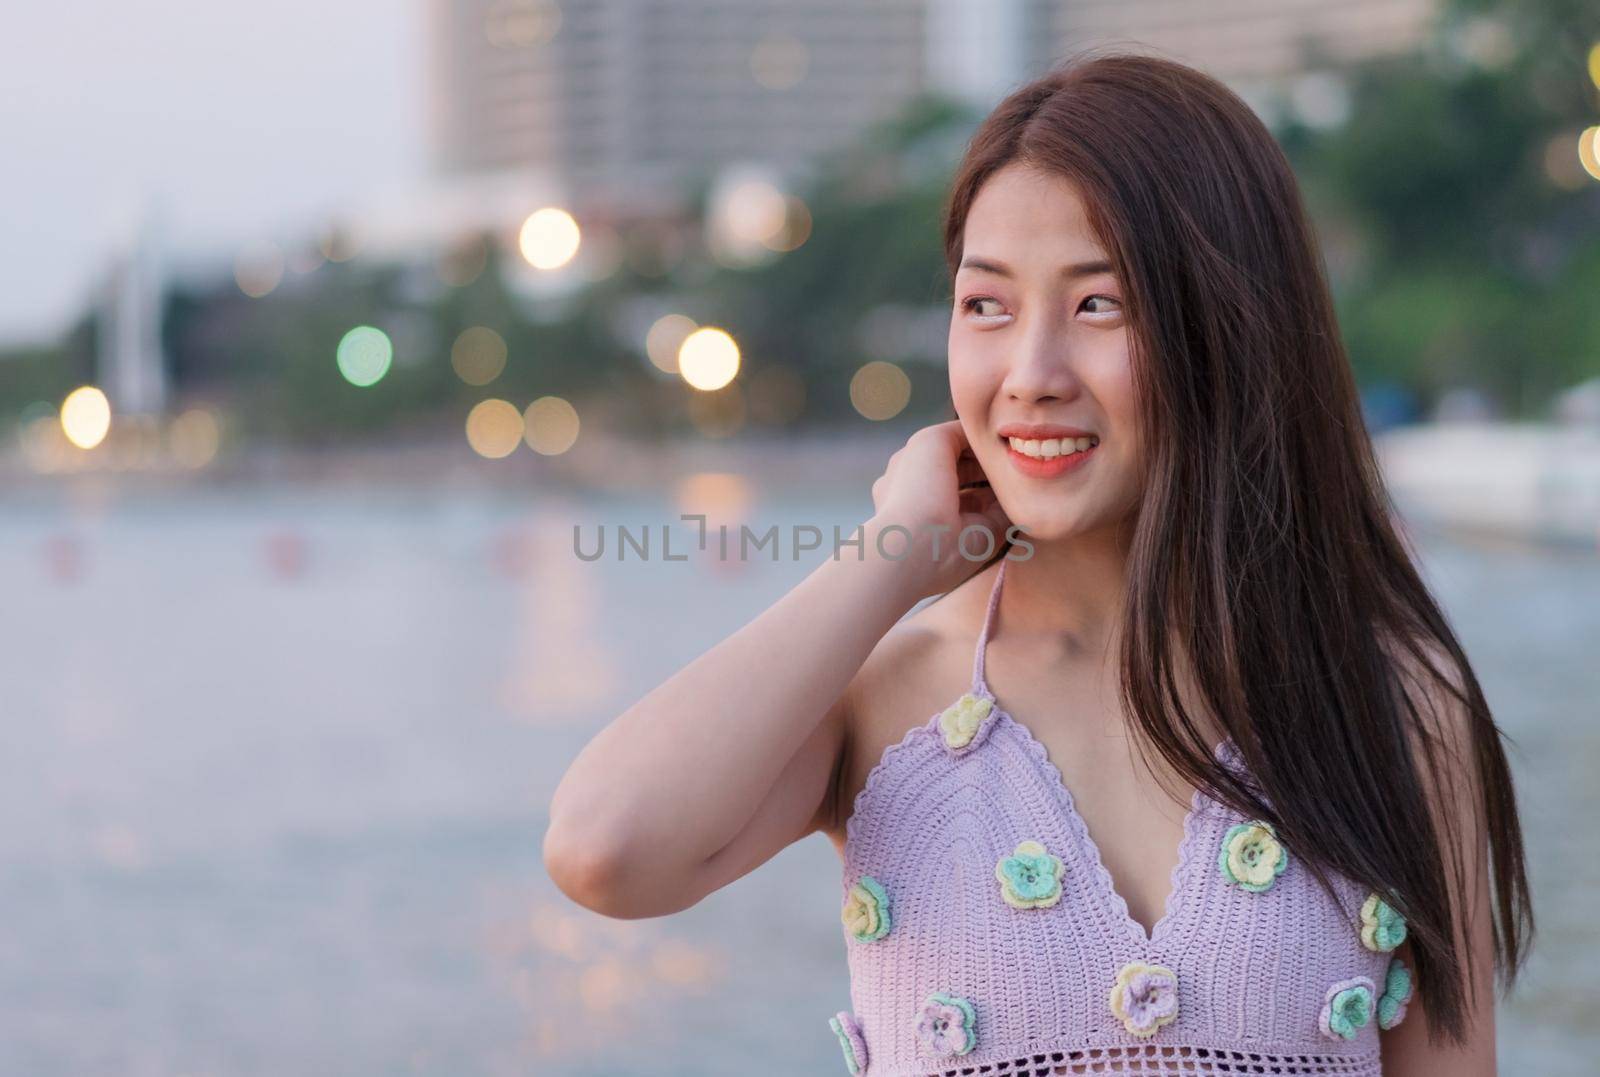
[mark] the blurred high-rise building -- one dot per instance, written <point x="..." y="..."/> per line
<point x="1249" y="40"/>
<point x="617" y="102"/>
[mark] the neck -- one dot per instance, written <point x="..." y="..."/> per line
<point x="1069" y="588"/>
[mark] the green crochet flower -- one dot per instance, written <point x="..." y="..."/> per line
<point x="1347" y="1008"/>
<point x="1030" y="878"/>
<point x="1251" y="856"/>
<point x="866" y="910"/>
<point x="1396" y="993"/>
<point x="1382" y="929"/>
<point x="851" y="1042"/>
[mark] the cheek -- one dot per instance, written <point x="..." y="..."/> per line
<point x="970" y="378"/>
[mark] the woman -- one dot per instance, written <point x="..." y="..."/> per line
<point x="1155" y="409"/>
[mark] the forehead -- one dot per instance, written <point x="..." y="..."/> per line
<point x="1024" y="214"/>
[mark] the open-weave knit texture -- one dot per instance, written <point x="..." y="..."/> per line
<point x="1260" y="972"/>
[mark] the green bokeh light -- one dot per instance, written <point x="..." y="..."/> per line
<point x="364" y="355"/>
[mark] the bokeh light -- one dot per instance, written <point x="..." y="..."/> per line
<point x="86" y="416"/>
<point x="796" y="228"/>
<point x="258" y="269"/>
<point x="338" y="243"/>
<point x="721" y="496"/>
<point x="754" y="212"/>
<point x="193" y="438"/>
<point x="1589" y="151"/>
<point x="549" y="238"/>
<point x="551" y="425"/>
<point x="708" y="358"/>
<point x="880" y="390"/>
<point x="463" y="262"/>
<point x="364" y="355"/>
<point x="780" y="61"/>
<point x="478" y="355"/>
<point x="664" y="339"/>
<point x="720" y="413"/>
<point x="494" y="428"/>
<point x="1594" y="64"/>
<point x="521" y="24"/>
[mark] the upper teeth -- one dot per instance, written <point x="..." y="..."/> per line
<point x="1049" y="447"/>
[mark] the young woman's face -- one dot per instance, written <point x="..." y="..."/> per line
<point x="1039" y="352"/>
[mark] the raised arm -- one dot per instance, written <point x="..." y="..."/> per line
<point x="733" y="757"/>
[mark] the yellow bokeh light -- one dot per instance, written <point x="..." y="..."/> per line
<point x="478" y="355"/>
<point x="722" y="496"/>
<point x="708" y="358"/>
<point x="880" y="390"/>
<point x="551" y="425"/>
<point x="755" y="212"/>
<point x="193" y="438"/>
<point x="494" y="428"/>
<point x="86" y="416"/>
<point x="1589" y="151"/>
<point x="1594" y="64"/>
<point x="549" y="238"/>
<point x="796" y="227"/>
<point x="521" y="24"/>
<point x="664" y="339"/>
<point x="780" y="61"/>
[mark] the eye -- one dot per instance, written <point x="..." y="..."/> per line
<point x="970" y="304"/>
<point x="1103" y="298"/>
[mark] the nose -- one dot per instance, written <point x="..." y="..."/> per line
<point x="1041" y="368"/>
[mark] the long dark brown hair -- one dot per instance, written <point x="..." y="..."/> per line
<point x="1266" y="568"/>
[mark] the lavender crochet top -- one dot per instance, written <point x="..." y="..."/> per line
<point x="984" y="935"/>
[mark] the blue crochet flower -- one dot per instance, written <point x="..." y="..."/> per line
<point x="1347" y="1008"/>
<point x="1396" y="993"/>
<point x="1382" y="928"/>
<point x="1030" y="878"/>
<point x="851" y="1041"/>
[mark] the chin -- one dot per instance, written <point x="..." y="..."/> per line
<point x="1045" y="528"/>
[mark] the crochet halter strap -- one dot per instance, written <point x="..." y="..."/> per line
<point x="984" y="935"/>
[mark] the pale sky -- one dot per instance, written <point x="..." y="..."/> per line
<point x="233" y="121"/>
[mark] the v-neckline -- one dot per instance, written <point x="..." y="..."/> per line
<point x="1116" y="905"/>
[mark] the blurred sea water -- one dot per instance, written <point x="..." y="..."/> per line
<point x="277" y="759"/>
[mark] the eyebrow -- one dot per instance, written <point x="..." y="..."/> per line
<point x="1000" y="269"/>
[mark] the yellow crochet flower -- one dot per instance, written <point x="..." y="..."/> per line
<point x="1145" y="997"/>
<point x="866" y="910"/>
<point x="961" y="719"/>
<point x="1251" y="856"/>
<point x="1382" y="929"/>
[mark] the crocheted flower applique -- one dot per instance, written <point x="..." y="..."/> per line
<point x="851" y="1042"/>
<point x="1145" y="997"/>
<point x="1396" y="993"/>
<point x="866" y="910"/>
<point x="960" y="721"/>
<point x="1251" y="856"/>
<point x="1030" y="878"/>
<point x="1347" y="1007"/>
<point x="1382" y="929"/>
<point x="945" y="1025"/>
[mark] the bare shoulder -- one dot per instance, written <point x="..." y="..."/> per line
<point x="917" y="669"/>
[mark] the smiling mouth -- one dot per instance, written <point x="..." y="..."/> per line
<point x="1050" y="448"/>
